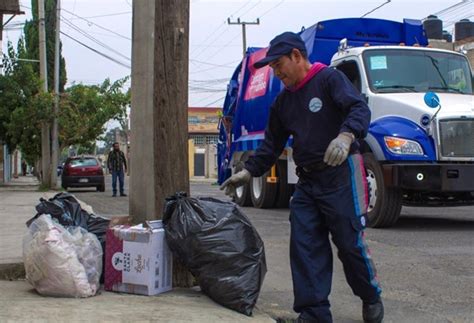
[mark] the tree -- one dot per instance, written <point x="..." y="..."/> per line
<point x="85" y="109"/>
<point x="32" y="42"/>
<point x="22" y="106"/>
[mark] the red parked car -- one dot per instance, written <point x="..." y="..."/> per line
<point x="83" y="171"/>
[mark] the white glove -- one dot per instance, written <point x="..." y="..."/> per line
<point x="236" y="180"/>
<point x="338" y="149"/>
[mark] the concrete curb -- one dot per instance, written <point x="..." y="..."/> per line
<point x="23" y="188"/>
<point x="14" y="271"/>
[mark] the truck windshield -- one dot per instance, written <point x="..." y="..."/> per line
<point x="409" y="70"/>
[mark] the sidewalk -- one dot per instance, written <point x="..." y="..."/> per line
<point x="21" y="183"/>
<point x="19" y="302"/>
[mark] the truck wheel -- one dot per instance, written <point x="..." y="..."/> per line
<point x="385" y="203"/>
<point x="263" y="193"/>
<point x="284" y="190"/>
<point x="242" y="193"/>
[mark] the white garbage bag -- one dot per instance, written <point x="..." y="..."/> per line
<point x="62" y="262"/>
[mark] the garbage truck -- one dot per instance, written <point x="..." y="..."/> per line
<point x="419" y="150"/>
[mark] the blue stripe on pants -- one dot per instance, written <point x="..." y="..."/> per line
<point x="324" y="202"/>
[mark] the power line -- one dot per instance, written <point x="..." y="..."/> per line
<point x="96" y="51"/>
<point x="106" y="15"/>
<point x="245" y="4"/>
<point x="85" y="34"/>
<point x="274" y="7"/>
<point x="449" y="8"/>
<point x="97" y="25"/>
<point x="376" y="8"/>
<point x="460" y="8"/>
<point x="217" y="65"/>
<point x="205" y="98"/>
<point x="209" y="104"/>
<point x="225" y="45"/>
<point x="220" y="26"/>
<point x="251" y="8"/>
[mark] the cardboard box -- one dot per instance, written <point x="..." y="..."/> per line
<point x="137" y="259"/>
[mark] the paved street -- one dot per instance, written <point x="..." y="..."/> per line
<point x="425" y="262"/>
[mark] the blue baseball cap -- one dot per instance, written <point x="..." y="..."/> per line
<point x="281" y="45"/>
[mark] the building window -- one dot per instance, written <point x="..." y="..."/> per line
<point x="212" y="139"/>
<point x="204" y="139"/>
<point x="198" y="139"/>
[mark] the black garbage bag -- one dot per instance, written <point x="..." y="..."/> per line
<point x="219" y="246"/>
<point x="66" y="209"/>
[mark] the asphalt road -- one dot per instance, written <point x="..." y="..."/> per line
<point x="425" y="262"/>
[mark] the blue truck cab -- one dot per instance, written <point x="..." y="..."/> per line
<point x="415" y="153"/>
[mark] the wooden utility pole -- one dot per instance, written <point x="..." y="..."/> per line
<point x="159" y="113"/>
<point x="244" y="33"/>
<point x="45" y="130"/>
<point x="55" y="132"/>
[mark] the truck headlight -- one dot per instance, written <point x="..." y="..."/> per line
<point x="402" y="146"/>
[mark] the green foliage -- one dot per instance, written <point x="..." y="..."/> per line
<point x="22" y="106"/>
<point x="32" y="42"/>
<point x="85" y="110"/>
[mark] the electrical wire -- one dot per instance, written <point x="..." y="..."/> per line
<point x="376" y="8"/>
<point x="95" y="24"/>
<point x="256" y="4"/>
<point x="216" y="65"/>
<point x="96" y="51"/>
<point x="106" y="15"/>
<point x="209" y="104"/>
<point x="445" y="10"/>
<point x="274" y="7"/>
<point x="220" y="26"/>
<point x="95" y="40"/>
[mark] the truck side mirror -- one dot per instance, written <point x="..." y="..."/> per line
<point x="431" y="100"/>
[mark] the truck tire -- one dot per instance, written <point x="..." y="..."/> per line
<point x="284" y="190"/>
<point x="101" y="188"/>
<point x="242" y="193"/>
<point x="263" y="194"/>
<point x="385" y="203"/>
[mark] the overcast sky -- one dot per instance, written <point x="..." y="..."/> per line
<point x="215" y="47"/>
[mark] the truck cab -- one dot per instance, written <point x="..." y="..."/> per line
<point x="414" y="154"/>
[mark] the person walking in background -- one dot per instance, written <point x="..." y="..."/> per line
<point x="117" y="165"/>
<point x="24" y="167"/>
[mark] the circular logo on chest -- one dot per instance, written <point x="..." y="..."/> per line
<point x="315" y="104"/>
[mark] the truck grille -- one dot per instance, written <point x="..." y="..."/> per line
<point x="457" y="138"/>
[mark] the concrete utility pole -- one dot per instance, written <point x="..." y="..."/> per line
<point x="244" y="34"/>
<point x="55" y="133"/>
<point x="159" y="113"/>
<point x="45" y="131"/>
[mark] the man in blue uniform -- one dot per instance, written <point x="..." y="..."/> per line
<point x="325" y="115"/>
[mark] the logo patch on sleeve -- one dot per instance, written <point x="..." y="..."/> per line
<point x="315" y="104"/>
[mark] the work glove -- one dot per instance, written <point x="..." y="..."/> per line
<point x="338" y="149"/>
<point x="236" y="180"/>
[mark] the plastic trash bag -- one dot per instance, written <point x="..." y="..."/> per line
<point x="61" y="262"/>
<point x="219" y="246"/>
<point x="68" y="211"/>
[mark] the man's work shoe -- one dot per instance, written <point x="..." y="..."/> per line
<point x="114" y="194"/>
<point x="373" y="313"/>
<point x="123" y="194"/>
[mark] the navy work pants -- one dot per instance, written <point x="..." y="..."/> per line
<point x="331" y="201"/>
<point x="120" y="175"/>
